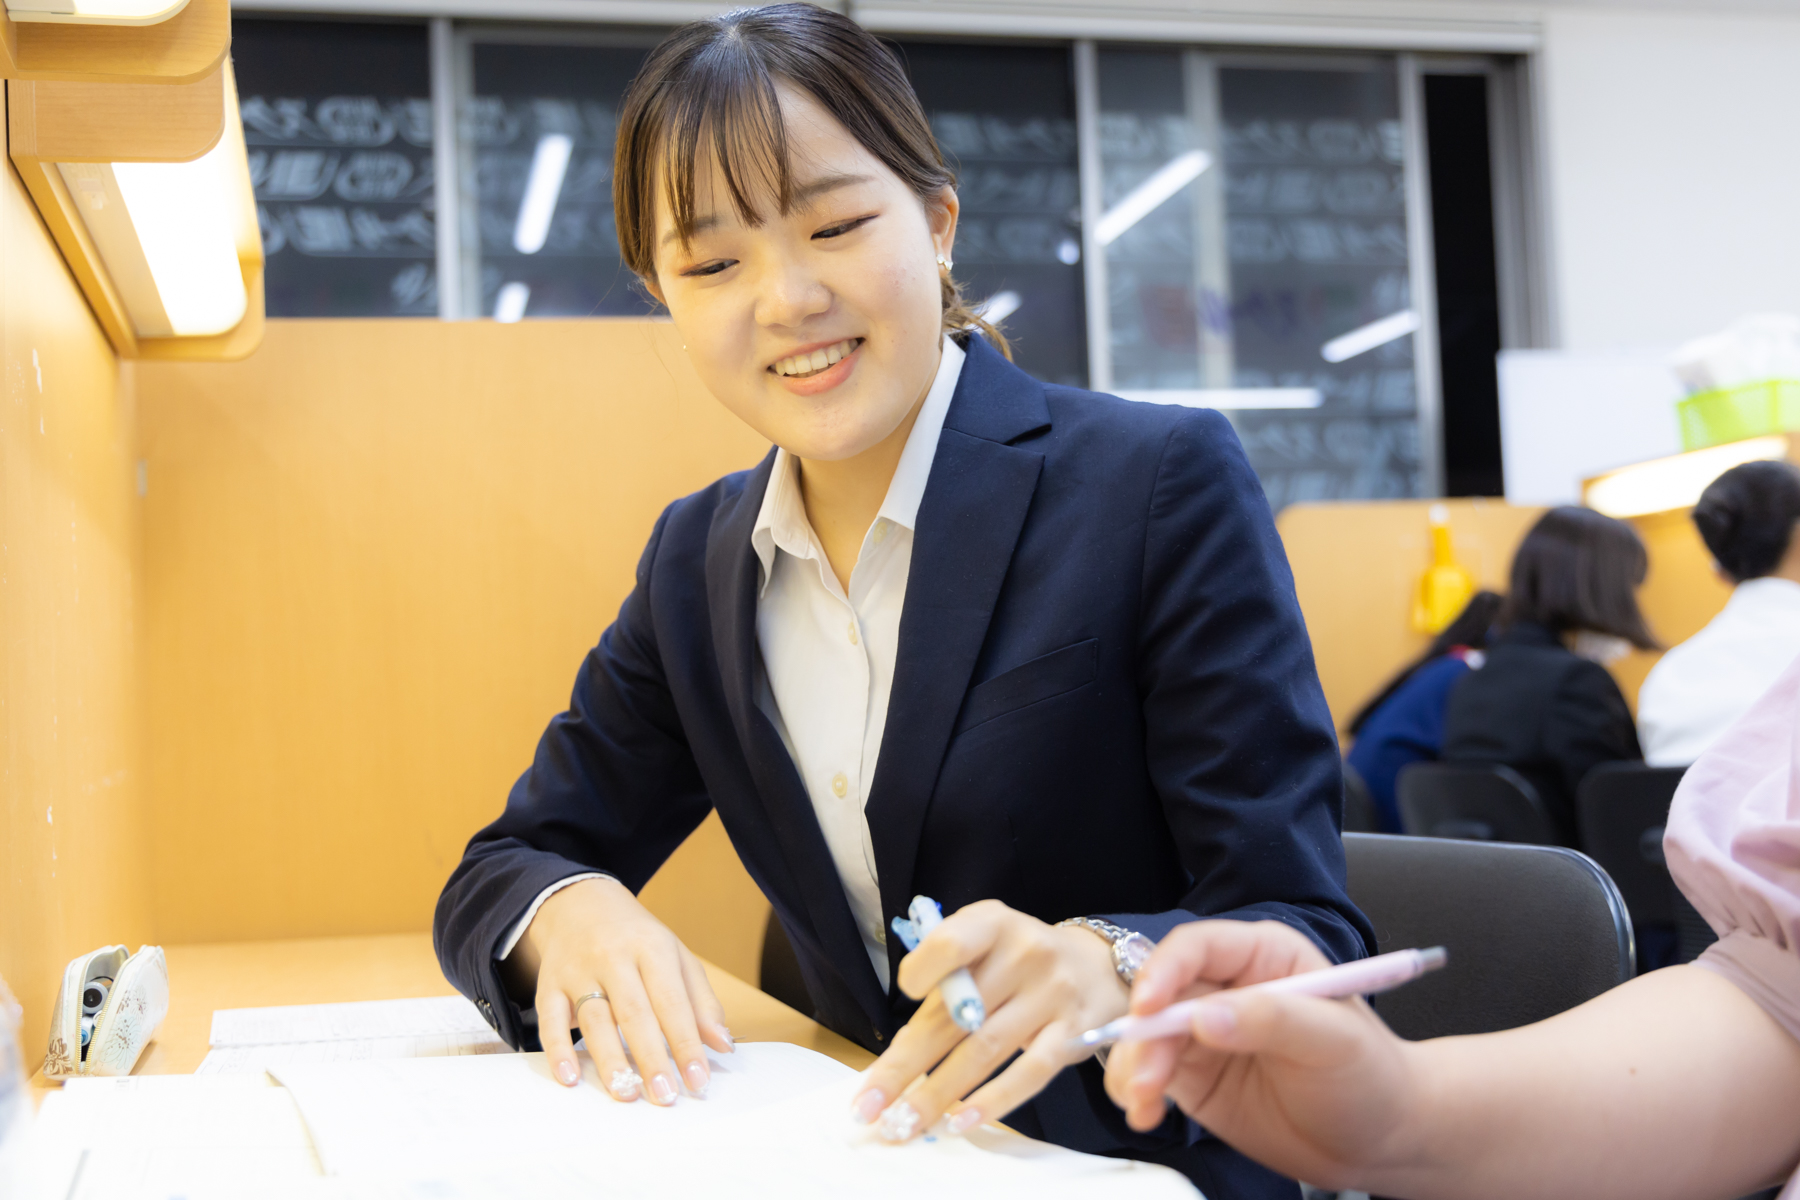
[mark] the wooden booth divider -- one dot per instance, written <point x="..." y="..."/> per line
<point x="376" y="552"/>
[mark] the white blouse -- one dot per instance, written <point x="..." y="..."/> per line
<point x="1704" y="685"/>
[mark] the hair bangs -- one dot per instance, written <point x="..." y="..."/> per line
<point x="728" y="114"/>
<point x="707" y="97"/>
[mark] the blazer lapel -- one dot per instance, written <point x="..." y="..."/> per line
<point x="732" y="573"/>
<point x="969" y="521"/>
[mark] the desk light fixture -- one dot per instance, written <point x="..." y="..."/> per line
<point x="146" y="190"/>
<point x="95" y="12"/>
<point x="1663" y="484"/>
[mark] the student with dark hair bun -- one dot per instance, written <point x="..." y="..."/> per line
<point x="1543" y="702"/>
<point x="1746" y="517"/>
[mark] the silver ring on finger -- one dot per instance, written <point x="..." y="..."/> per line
<point x="590" y="996"/>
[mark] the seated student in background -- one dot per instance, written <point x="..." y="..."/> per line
<point x="1404" y="723"/>
<point x="1682" y="1084"/>
<point x="1024" y="649"/>
<point x="1542" y="703"/>
<point x="1746" y="517"/>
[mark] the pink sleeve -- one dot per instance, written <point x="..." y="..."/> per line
<point x="1733" y="845"/>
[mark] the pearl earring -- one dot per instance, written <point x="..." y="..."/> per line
<point x="944" y="262"/>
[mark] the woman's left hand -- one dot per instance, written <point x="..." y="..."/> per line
<point x="1042" y="985"/>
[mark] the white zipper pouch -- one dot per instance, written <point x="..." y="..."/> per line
<point x="109" y="1007"/>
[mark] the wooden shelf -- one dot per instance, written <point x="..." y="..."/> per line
<point x="184" y="49"/>
<point x="53" y="121"/>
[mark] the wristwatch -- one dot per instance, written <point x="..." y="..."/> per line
<point x="1130" y="950"/>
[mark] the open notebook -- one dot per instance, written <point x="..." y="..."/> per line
<point x="775" y="1123"/>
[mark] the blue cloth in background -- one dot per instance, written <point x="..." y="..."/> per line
<point x="1407" y="728"/>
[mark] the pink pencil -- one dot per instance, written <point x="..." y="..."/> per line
<point x="1365" y="977"/>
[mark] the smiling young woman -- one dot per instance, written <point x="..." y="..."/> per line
<point x="1029" y="650"/>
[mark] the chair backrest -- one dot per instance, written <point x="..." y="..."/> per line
<point x="1360" y="815"/>
<point x="1483" y="802"/>
<point x="1531" y="930"/>
<point x="1620" y="810"/>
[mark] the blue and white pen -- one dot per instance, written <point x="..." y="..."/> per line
<point x="961" y="997"/>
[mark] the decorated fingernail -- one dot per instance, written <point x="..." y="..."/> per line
<point x="568" y="1072"/>
<point x="624" y="1083"/>
<point x="965" y="1120"/>
<point x="899" y="1122"/>
<point x="868" y="1106"/>
<point x="662" y="1089"/>
<point x="695" y="1073"/>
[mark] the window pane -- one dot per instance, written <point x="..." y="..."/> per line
<point x="543" y="124"/>
<point x="1005" y="118"/>
<point x="1255" y="214"/>
<point x="337" y="121"/>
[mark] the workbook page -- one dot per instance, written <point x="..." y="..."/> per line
<point x="426" y="1016"/>
<point x="416" y="1115"/>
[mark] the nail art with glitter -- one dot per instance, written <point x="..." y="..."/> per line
<point x="899" y="1122"/>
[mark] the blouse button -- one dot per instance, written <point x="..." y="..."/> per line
<point x="840" y="786"/>
<point x="853" y="633"/>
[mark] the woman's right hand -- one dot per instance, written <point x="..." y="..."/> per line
<point x="594" y="936"/>
<point x="1317" y="1089"/>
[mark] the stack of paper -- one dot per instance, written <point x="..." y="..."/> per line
<point x="775" y="1123"/>
<point x="252" y="1040"/>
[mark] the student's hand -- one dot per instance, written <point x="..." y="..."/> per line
<point x="594" y="936"/>
<point x="1041" y="985"/>
<point x="1317" y="1089"/>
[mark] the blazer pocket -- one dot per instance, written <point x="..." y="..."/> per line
<point x="1043" y="677"/>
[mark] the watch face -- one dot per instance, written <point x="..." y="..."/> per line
<point x="1134" y="952"/>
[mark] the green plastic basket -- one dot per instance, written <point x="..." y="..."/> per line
<point x="1735" y="413"/>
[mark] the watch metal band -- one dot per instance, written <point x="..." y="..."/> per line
<point x="1129" y="948"/>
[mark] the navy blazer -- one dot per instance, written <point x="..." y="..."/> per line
<point x="1104" y="703"/>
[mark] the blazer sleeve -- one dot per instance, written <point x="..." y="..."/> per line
<point x="1240" y="744"/>
<point x="1588" y="724"/>
<point x="613" y="787"/>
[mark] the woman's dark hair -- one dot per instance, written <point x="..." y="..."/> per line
<point x="1470" y="628"/>
<point x="707" y="92"/>
<point x="1746" y="517"/>
<point x="1577" y="569"/>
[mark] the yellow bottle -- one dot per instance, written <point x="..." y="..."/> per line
<point x="1446" y="586"/>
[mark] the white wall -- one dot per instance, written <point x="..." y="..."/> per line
<point x="1673" y="149"/>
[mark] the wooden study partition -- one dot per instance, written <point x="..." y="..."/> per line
<point x="74" y="832"/>
<point x="1357" y="566"/>
<point x="376" y="553"/>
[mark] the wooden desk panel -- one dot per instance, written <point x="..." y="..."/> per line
<point x="390" y="967"/>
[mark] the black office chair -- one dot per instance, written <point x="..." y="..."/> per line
<point x="780" y="971"/>
<point x="1620" y="810"/>
<point x="1531" y="930"/>
<point x="1483" y="802"/>
<point x="1359" y="806"/>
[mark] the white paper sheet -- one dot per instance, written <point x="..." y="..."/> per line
<point x="164" y="1135"/>
<point x="254" y="1060"/>
<point x="776" y="1124"/>
<point x="444" y="1016"/>
<point x="808" y="1146"/>
<point x="416" y="1115"/>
